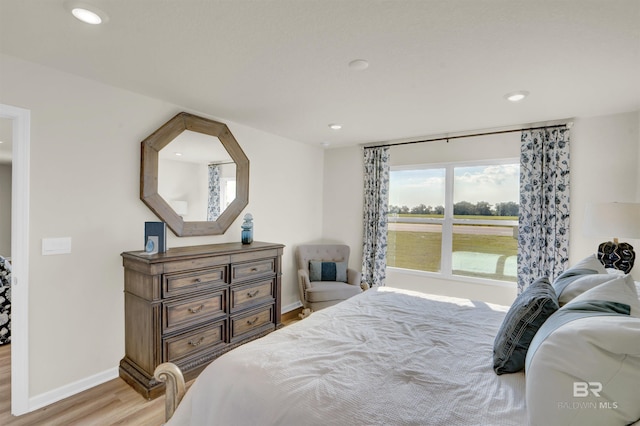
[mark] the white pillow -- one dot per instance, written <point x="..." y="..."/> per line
<point x="618" y="289"/>
<point x="581" y="284"/>
<point x="582" y="276"/>
<point x="583" y="368"/>
<point x="591" y="262"/>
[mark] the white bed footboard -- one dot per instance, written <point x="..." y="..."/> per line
<point x="171" y="375"/>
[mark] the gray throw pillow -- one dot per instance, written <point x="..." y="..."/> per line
<point x="527" y="314"/>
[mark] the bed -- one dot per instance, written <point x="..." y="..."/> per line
<point x="384" y="357"/>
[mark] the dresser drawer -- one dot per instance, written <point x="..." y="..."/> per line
<point x="175" y="284"/>
<point x="205" y="338"/>
<point x="244" y="271"/>
<point x="252" y="322"/>
<point x="252" y="294"/>
<point x="189" y="312"/>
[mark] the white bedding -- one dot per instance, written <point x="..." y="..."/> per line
<point x="385" y="357"/>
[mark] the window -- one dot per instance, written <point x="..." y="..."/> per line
<point x="227" y="191"/>
<point x="455" y="219"/>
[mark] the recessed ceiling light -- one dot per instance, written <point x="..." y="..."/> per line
<point x="87" y="16"/>
<point x="325" y="144"/>
<point x="86" y="13"/>
<point x="178" y="154"/>
<point x="516" y="96"/>
<point x="335" y="126"/>
<point x="359" y="64"/>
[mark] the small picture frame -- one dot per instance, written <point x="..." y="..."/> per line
<point x="158" y="230"/>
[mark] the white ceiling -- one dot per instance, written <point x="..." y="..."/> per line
<point x="436" y="66"/>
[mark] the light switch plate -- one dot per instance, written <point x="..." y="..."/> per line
<point x="56" y="246"/>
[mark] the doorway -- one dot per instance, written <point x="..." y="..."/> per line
<point x="20" y="125"/>
<point x="6" y="136"/>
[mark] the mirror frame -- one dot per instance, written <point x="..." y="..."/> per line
<point x="149" y="175"/>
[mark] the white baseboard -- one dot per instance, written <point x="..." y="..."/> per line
<point x="66" y="391"/>
<point x="291" y="307"/>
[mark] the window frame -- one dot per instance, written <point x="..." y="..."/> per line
<point x="448" y="222"/>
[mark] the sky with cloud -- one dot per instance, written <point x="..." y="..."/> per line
<point x="493" y="184"/>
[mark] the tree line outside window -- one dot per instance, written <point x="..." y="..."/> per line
<point x="462" y="208"/>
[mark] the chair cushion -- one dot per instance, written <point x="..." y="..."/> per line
<point x="327" y="271"/>
<point x="323" y="291"/>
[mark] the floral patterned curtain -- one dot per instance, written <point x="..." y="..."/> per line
<point x="213" y="206"/>
<point x="376" y="207"/>
<point x="5" y="301"/>
<point x="543" y="239"/>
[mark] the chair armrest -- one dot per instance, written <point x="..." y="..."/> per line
<point x="303" y="285"/>
<point x="354" y="277"/>
<point x="303" y="278"/>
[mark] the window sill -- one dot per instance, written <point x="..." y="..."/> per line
<point x="454" y="278"/>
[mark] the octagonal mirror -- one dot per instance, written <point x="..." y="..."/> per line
<point x="194" y="175"/>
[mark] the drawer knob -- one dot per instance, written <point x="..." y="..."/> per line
<point x="253" y="321"/>
<point x="196" y="310"/>
<point x="196" y="342"/>
<point x="253" y="293"/>
<point x="197" y="280"/>
<point x="254" y="269"/>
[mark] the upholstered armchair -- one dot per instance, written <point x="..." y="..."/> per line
<point x="324" y="276"/>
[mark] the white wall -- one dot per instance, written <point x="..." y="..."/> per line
<point x="184" y="181"/>
<point x="604" y="166"/>
<point x="343" y="200"/>
<point x="85" y="171"/>
<point x="5" y="210"/>
<point x="605" y="163"/>
<point x="638" y="161"/>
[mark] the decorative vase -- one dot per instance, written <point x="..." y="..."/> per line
<point x="247" y="229"/>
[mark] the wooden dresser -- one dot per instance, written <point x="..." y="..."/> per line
<point x="192" y="304"/>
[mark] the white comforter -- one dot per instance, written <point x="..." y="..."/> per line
<point x="385" y="357"/>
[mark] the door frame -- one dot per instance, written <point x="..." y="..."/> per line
<point x="21" y="127"/>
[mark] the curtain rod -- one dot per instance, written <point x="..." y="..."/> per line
<point x="471" y="135"/>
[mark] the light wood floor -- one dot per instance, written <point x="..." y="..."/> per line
<point x="111" y="403"/>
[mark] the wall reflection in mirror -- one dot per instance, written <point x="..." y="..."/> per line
<point x="196" y="176"/>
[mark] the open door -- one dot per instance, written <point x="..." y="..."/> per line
<point x="21" y="124"/>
